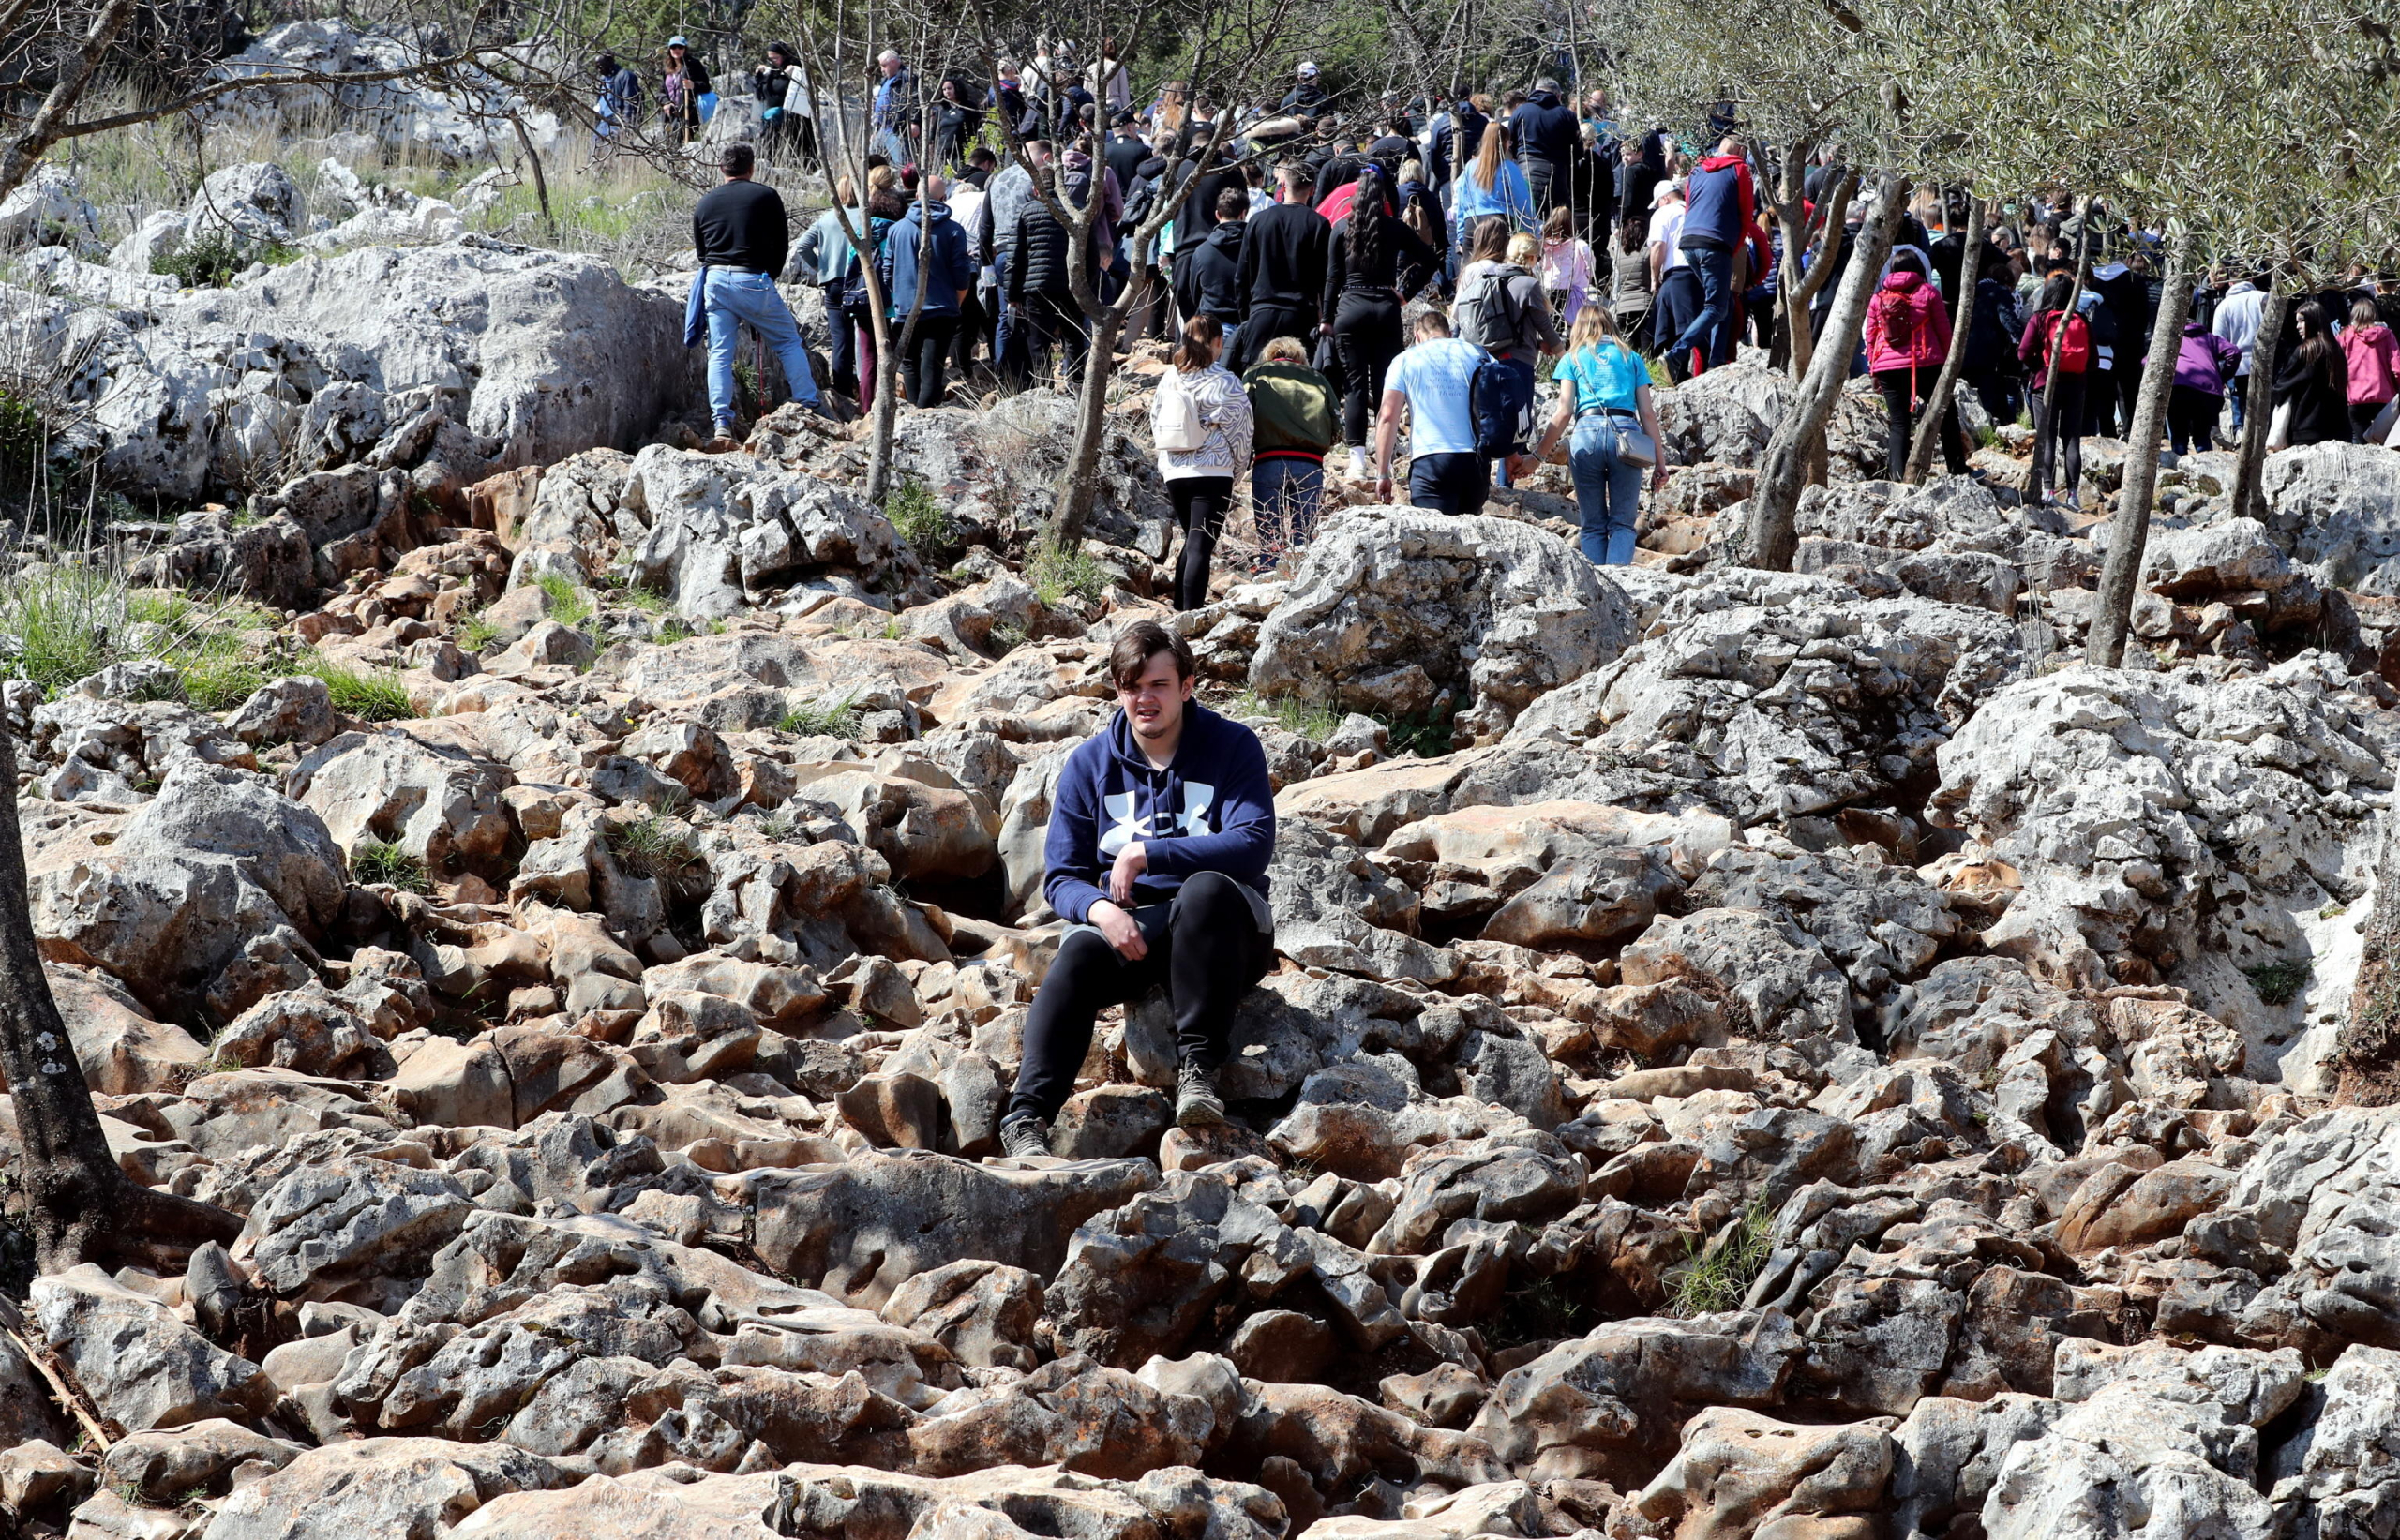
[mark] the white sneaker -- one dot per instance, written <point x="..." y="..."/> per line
<point x="1358" y="465"/>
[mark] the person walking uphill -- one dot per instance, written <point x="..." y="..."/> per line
<point x="949" y="278"/>
<point x="1157" y="851"/>
<point x="1908" y="336"/>
<point x="742" y="235"/>
<point x="1201" y="422"/>
<point x="1719" y="206"/>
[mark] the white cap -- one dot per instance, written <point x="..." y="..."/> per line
<point x="1308" y="67"/>
<point x="1666" y="190"/>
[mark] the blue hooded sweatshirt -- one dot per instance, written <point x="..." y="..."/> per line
<point x="1211" y="809"/>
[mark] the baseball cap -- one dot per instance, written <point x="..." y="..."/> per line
<point x="1308" y="67"/>
<point x="679" y="40"/>
<point x="1666" y="190"/>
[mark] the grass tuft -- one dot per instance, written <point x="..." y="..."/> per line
<point x="1312" y="720"/>
<point x="370" y="695"/>
<point x="563" y="600"/>
<point x="654" y="844"/>
<point x="919" y="518"/>
<point x="212" y="260"/>
<point x="1427" y="734"/>
<point x="478" y="634"/>
<point x="1719" y="1279"/>
<point x="373" y="862"/>
<point x="1057" y="576"/>
<point x="823" y="718"/>
<point x="2280" y="983"/>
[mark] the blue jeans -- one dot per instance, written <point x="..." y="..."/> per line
<point x="1008" y="330"/>
<point x="2239" y="393"/>
<point x="1284" y="492"/>
<point x="1713" y="326"/>
<point x="733" y="297"/>
<point x="1607" y="491"/>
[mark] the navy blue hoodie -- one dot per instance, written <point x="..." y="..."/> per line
<point x="1211" y="809"/>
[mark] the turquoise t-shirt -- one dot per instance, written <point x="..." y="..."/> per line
<point x="1606" y="374"/>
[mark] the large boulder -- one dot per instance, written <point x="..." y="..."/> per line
<point x="211" y="896"/>
<point x="721" y="526"/>
<point x="529" y="344"/>
<point x="439" y="805"/>
<point x="2119" y="799"/>
<point x="2337" y="507"/>
<point x="142" y="1367"/>
<point x="1408" y="612"/>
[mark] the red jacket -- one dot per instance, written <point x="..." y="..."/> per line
<point x="1906" y="325"/>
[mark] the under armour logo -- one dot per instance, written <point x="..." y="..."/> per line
<point x="1124" y="827"/>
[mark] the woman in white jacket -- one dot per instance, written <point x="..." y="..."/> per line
<point x="1200" y="421"/>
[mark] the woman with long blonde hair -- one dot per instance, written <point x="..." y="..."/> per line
<point x="1603" y="395"/>
<point x="1495" y="186"/>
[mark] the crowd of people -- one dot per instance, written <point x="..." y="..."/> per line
<point x="1330" y="272"/>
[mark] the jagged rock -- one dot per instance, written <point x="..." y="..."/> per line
<point x="167" y="1466"/>
<point x="1391" y="601"/>
<point x="205" y="899"/>
<point x="2115" y="795"/>
<point x="982" y="1312"/>
<point x="865" y="1227"/>
<point x="2337" y="507"/>
<point x="409" y="1486"/>
<point x="1739" y="1472"/>
<point x="1071" y="1413"/>
<point x="322" y="1225"/>
<point x="142" y="1367"/>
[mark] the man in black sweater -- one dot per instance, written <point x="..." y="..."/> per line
<point x="1208" y="278"/>
<point x="1546" y="132"/>
<point x="1283" y="268"/>
<point x="742" y="235"/>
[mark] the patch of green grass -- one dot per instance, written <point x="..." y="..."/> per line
<point x="1660" y="377"/>
<point x="373" y="862"/>
<point x="220" y="676"/>
<point x="1059" y="575"/>
<point x="60" y="624"/>
<point x="1988" y="437"/>
<point x="1312" y="720"/>
<point x="562" y="601"/>
<point x="1424" y="733"/>
<point x="477" y="635"/>
<point x="825" y="718"/>
<point x="1720" y="1278"/>
<point x="211" y="260"/>
<point x="654" y="844"/>
<point x="24" y="430"/>
<point x="370" y="695"/>
<point x="650" y="601"/>
<point x="920" y="519"/>
<point x="1005" y="639"/>
<point x="2280" y="983"/>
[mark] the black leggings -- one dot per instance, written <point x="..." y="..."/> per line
<point x="924" y="367"/>
<point x="1904" y="391"/>
<point x="1200" y="506"/>
<point x="2047" y="443"/>
<point x="1366" y="333"/>
<point x="1204" y="945"/>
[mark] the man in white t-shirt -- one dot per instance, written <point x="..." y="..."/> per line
<point x="1435" y="382"/>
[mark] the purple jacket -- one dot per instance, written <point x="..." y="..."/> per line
<point x="2205" y="361"/>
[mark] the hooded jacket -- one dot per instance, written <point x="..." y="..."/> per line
<point x="1907" y="327"/>
<point x="1210" y="810"/>
<point x="2204" y="361"/>
<point x="2374" y="360"/>
<point x="1545" y="129"/>
<point x="1207" y="280"/>
<point x="948" y="268"/>
<point x="1719" y="202"/>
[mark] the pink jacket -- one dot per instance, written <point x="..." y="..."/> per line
<point x="2375" y="363"/>
<point x="1906" y="325"/>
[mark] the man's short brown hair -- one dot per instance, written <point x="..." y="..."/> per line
<point x="1137" y="644"/>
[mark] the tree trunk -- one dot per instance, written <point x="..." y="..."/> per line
<point x="2129" y="530"/>
<point x="49" y="121"/>
<point x="79" y="1204"/>
<point x="1945" y="386"/>
<point x="1798" y="289"/>
<point x="1781" y="474"/>
<point x="1091" y="432"/>
<point x="541" y="182"/>
<point x="2368" y="1050"/>
<point x="886" y="416"/>
<point x="2249" y="499"/>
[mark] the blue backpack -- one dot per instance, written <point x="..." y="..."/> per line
<point x="1500" y="399"/>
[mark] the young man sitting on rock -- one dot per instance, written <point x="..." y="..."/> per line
<point x="1160" y="834"/>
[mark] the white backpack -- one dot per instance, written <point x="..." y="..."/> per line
<point x="1175" y="427"/>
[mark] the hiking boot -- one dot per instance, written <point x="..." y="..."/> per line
<point x="724" y="443"/>
<point x="1197" y="1105"/>
<point x="1021" y="1137"/>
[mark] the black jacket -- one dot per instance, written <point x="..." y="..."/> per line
<point x="1125" y="158"/>
<point x="1284" y="256"/>
<point x="1038" y="263"/>
<point x="1337" y="172"/>
<point x="2320" y="406"/>
<point x="2126" y="298"/>
<point x="1403" y="264"/>
<point x="1465" y="126"/>
<point x="1197" y="216"/>
<point x="1545" y="129"/>
<point x="1208" y="278"/>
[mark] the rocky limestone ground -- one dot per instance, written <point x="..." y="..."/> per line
<point x="1755" y="1055"/>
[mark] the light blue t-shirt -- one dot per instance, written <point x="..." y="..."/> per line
<point x="1438" y="379"/>
<point x="1606" y="374"/>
